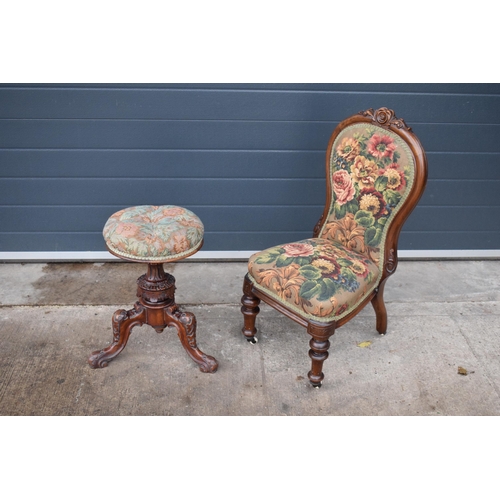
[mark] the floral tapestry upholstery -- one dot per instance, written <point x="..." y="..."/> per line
<point x="371" y="171"/>
<point x="317" y="278"/>
<point x="325" y="278"/>
<point x="153" y="233"/>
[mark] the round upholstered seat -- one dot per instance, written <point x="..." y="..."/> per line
<point x="153" y="233"/>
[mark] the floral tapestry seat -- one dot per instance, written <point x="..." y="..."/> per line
<point x="153" y="233"/>
<point x="376" y="171"/>
<point x="317" y="278"/>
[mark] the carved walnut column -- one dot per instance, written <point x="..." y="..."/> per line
<point x="156" y="307"/>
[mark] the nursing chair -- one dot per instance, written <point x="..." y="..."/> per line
<point x="376" y="171"/>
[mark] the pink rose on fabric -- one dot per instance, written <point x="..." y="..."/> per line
<point x="298" y="249"/>
<point x="343" y="187"/>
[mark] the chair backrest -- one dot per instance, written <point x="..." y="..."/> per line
<point x="376" y="171"/>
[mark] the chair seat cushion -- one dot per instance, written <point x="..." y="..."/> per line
<point x="153" y="233"/>
<point x="317" y="278"/>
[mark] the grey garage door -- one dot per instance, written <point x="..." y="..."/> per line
<point x="248" y="159"/>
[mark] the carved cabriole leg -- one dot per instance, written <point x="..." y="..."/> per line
<point x="185" y="322"/>
<point x="157" y="308"/>
<point x="318" y="353"/>
<point x="380" y="310"/>
<point x="250" y="309"/>
<point x="123" y="322"/>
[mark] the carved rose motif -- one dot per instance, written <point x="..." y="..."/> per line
<point x="383" y="115"/>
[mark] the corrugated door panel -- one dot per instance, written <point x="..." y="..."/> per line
<point x="248" y="159"/>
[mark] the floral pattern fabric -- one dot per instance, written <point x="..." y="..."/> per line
<point x="154" y="233"/>
<point x="318" y="277"/>
<point x="324" y="278"/>
<point x="371" y="170"/>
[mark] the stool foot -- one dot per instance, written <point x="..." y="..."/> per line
<point x="123" y="322"/>
<point x="185" y="322"/>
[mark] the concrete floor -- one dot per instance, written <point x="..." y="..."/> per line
<point x="442" y="315"/>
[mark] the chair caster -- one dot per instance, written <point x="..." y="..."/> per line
<point x="381" y="334"/>
<point x="317" y="386"/>
<point x="252" y="340"/>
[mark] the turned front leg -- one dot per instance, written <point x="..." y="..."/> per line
<point x="318" y="353"/>
<point x="123" y="322"/>
<point x="250" y="309"/>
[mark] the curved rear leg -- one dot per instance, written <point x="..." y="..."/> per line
<point x="380" y="310"/>
<point x="250" y="309"/>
